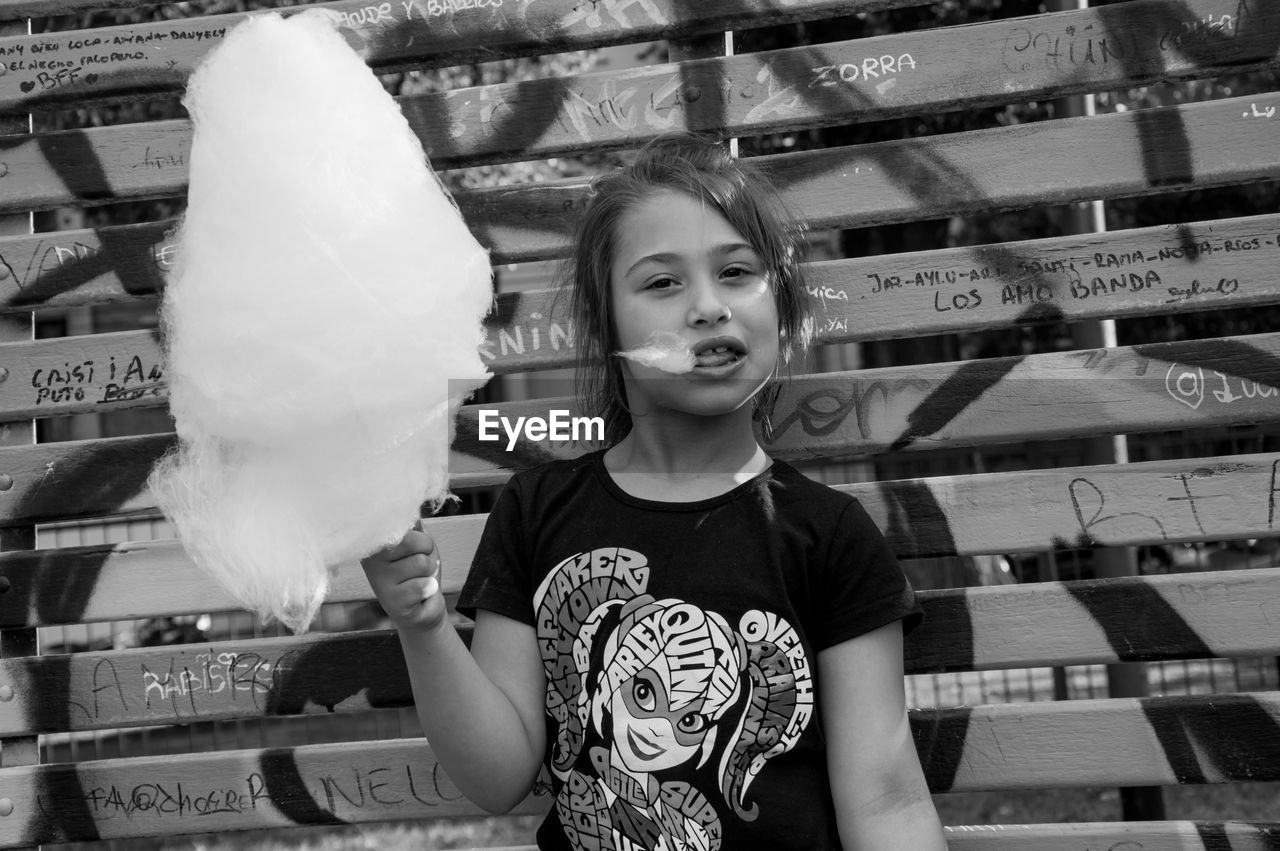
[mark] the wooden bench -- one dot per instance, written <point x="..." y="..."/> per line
<point x="1131" y="741"/>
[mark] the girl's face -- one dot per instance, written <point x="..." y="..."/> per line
<point x="681" y="268"/>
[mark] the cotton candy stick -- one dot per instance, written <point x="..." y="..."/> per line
<point x="662" y="350"/>
<point x="322" y="324"/>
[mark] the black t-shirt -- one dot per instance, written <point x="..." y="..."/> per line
<point x="679" y="642"/>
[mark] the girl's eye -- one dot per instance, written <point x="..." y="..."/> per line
<point x="736" y="272"/>
<point x="643" y="693"/>
<point x="692" y="723"/>
<point x="661" y="284"/>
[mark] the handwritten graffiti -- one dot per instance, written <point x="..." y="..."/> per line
<point x="870" y="68"/>
<point x="1089" y="502"/>
<point x="823" y="412"/>
<point x="611" y="107"/>
<point x="75" y="61"/>
<point x="1224" y="287"/>
<point x="65" y="383"/>
<point x="1131" y="282"/>
<point x="167" y="799"/>
<point x="1031" y="49"/>
<point x="1129" y="270"/>
<point x="210" y="683"/>
<point x="1203" y="29"/>
<point x="232" y="673"/>
<point x="126" y="380"/>
<point x="776" y="100"/>
<point x="617" y="109"/>
<point x="47" y="259"/>
<point x="1271" y="497"/>
<point x="1094" y="518"/>
<point x="368" y="15"/>
<point x="401" y="787"/>
<point x="823" y="294"/>
<point x="590" y="13"/>
<point x="1027" y="50"/>
<point x="517" y="339"/>
<point x="158" y="160"/>
<point x="428" y="9"/>
<point x="1188" y="385"/>
<point x="364" y="788"/>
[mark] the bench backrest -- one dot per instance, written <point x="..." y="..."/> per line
<point x="881" y="412"/>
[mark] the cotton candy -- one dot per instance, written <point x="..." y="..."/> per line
<point x="322" y="324"/>
<point x="662" y="350"/>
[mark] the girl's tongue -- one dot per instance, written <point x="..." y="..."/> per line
<point x="716" y="357"/>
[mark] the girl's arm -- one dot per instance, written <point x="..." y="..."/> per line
<point x="881" y="800"/>
<point x="481" y="709"/>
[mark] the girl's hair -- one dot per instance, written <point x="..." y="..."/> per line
<point x="705" y="171"/>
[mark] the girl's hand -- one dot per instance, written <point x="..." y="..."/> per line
<point x="406" y="579"/>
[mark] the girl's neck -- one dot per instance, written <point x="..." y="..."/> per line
<point x="685" y="461"/>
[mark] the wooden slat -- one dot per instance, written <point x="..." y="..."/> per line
<point x="1151" y="503"/>
<point x="78" y="267"/>
<point x="10" y="9"/>
<point x="1156" y="741"/>
<point x="1199" y="615"/>
<point x="229" y="791"/>
<point x="54" y="481"/>
<point x="157" y="57"/>
<point x="123" y="581"/>
<point x="1139" y="152"/>
<point x="317" y="673"/>
<point x="1153" y="741"/>
<point x="1191" y="384"/>
<point x="1158" y="502"/>
<point x="1209" y="265"/>
<point x="856" y="80"/>
<point x="1113" y="836"/>
<point x="1152" y="618"/>
<point x="1130" y="153"/>
<point x="1110" y="835"/>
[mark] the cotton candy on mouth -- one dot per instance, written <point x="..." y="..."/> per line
<point x="665" y="351"/>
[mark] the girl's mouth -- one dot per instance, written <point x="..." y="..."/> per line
<point x="719" y="354"/>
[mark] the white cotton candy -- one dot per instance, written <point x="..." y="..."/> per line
<point x="663" y="350"/>
<point x="322" y="324"/>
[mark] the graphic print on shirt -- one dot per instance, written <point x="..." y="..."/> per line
<point x="647" y="694"/>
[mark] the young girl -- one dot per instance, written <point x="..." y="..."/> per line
<point x="701" y="647"/>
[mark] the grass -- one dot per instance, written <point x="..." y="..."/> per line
<point x="1231" y="802"/>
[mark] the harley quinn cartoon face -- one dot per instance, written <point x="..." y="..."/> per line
<point x="648" y="734"/>
<point x="671" y="672"/>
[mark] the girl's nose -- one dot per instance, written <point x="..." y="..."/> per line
<point x="708" y="306"/>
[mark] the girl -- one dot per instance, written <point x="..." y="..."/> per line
<point x="701" y="647"/>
